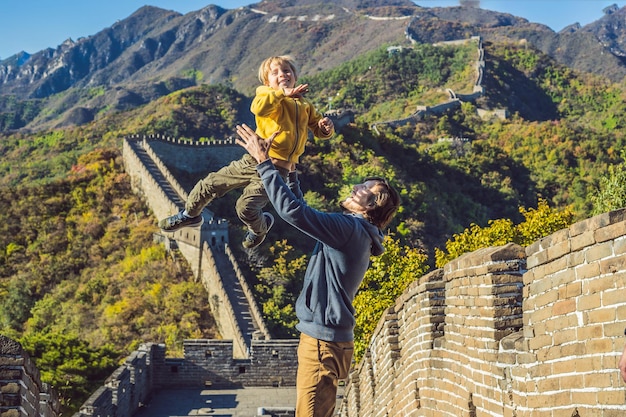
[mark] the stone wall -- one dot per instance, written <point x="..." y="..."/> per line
<point x="196" y="158"/>
<point x="22" y="393"/>
<point x="206" y="364"/>
<point x="502" y="331"/>
<point x="188" y="241"/>
<point x="223" y="311"/>
<point x="506" y="331"/>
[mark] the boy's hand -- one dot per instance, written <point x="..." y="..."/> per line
<point x="326" y="125"/>
<point x="297" y="91"/>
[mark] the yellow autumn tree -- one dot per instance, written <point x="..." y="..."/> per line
<point x="538" y="223"/>
<point x="386" y="279"/>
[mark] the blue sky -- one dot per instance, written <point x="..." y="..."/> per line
<point x="33" y="25"/>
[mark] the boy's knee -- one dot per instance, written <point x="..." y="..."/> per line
<point x="246" y="209"/>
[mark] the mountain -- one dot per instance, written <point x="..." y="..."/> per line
<point x="154" y="52"/>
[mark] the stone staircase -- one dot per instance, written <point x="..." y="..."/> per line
<point x="158" y="176"/>
<point x="247" y="316"/>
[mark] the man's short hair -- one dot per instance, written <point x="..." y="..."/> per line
<point x="386" y="203"/>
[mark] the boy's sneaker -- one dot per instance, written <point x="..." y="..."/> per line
<point x="180" y="220"/>
<point x="251" y="240"/>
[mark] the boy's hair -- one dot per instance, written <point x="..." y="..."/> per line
<point x="386" y="203"/>
<point x="264" y="69"/>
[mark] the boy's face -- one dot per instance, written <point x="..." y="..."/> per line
<point x="281" y="76"/>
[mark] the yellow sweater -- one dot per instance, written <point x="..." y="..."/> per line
<point x="294" y="117"/>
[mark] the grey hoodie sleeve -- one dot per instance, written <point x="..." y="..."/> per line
<point x="333" y="229"/>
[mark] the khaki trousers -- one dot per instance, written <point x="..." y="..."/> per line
<point x="320" y="365"/>
<point x="240" y="173"/>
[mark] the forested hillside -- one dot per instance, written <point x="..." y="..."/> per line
<point x="82" y="283"/>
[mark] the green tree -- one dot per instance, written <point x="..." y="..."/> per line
<point x="386" y="279"/>
<point x="612" y="189"/>
<point x="70" y="365"/>
<point x="278" y="287"/>
<point x="538" y="223"/>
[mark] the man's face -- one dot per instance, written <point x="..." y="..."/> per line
<point x="281" y="76"/>
<point x="362" y="197"/>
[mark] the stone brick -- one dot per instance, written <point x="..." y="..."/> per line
<point x="575" y="259"/>
<point x="587" y="271"/>
<point x="612" y="398"/>
<point x="599" y="345"/>
<point x="564" y="336"/>
<point x="613" y="297"/>
<point x="598" y="380"/>
<point x="546" y="298"/>
<point x="541" y="341"/>
<point x="536" y="258"/>
<point x="549" y="268"/>
<point x="589" y="332"/>
<point x="539" y="286"/>
<point x="603" y="315"/>
<point x="573" y="349"/>
<point x="613" y="265"/>
<point x="598" y="252"/>
<point x="610" y="232"/>
<point x="564" y="307"/>
<point x="570" y="382"/>
<point x="589" y="302"/>
<point x="570" y="290"/>
<point x="599" y="284"/>
<point x="619" y="245"/>
<point x="620" y="313"/>
<point x="582" y="240"/>
<point x="559" y="249"/>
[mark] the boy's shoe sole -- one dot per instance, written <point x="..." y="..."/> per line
<point x="251" y="241"/>
<point x="179" y="220"/>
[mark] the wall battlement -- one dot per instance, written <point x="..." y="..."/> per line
<point x="455" y="99"/>
<point x="506" y="331"/>
<point x="206" y="364"/>
<point x="21" y="391"/>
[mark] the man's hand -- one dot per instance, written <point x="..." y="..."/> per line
<point x="256" y="146"/>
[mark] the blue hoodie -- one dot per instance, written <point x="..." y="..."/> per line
<point x="338" y="263"/>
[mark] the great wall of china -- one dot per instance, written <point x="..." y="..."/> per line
<point x="503" y="331"/>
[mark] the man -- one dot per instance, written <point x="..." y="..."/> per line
<point x="345" y="242"/>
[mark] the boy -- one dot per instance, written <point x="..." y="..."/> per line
<point x="279" y="105"/>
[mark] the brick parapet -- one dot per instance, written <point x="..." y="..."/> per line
<point x="21" y="391"/>
<point x="526" y="332"/>
<point x="205" y="364"/>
